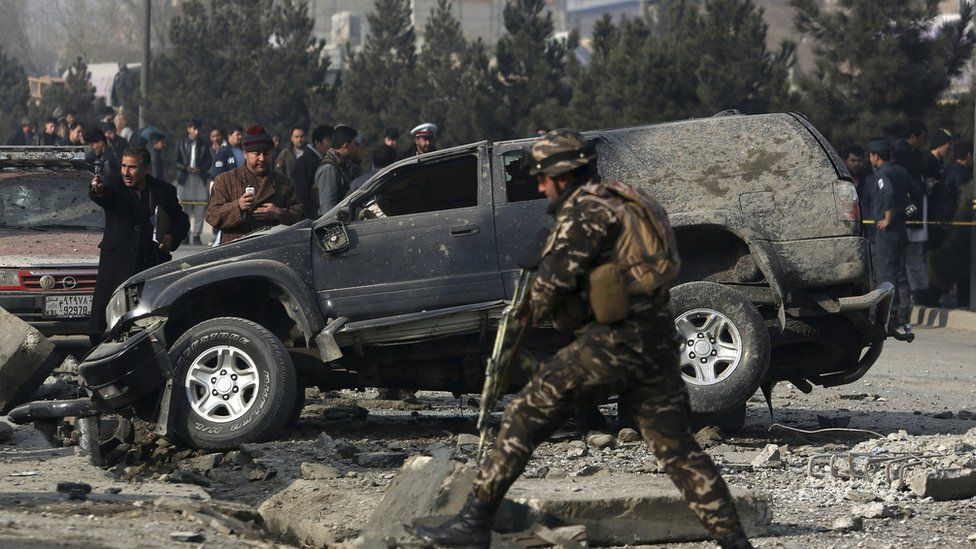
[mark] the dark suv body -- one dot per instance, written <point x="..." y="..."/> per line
<point x="49" y="233"/>
<point x="401" y="284"/>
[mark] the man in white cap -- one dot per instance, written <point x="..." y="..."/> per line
<point x="424" y="137"/>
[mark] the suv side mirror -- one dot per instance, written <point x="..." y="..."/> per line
<point x="332" y="237"/>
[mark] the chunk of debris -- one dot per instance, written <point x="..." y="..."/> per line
<point x="965" y="415"/>
<point x="769" y="457"/>
<point x="847" y="524"/>
<point x="945" y="485"/>
<point x="424" y="486"/>
<point x="6" y="432"/>
<point x="859" y="496"/>
<point x="318" y="471"/>
<point x="205" y="463"/>
<point x="943" y="415"/>
<point x="75" y="490"/>
<point x="27" y="358"/>
<point x="600" y="440"/>
<point x="186" y="537"/>
<point x="635" y="510"/>
<point x="577" y="449"/>
<point x="466" y="439"/>
<point x="628" y="435"/>
<point x="237" y="457"/>
<point x="380" y="459"/>
<point x="873" y="510"/>
<point x="593" y="471"/>
<point x="709" y="436"/>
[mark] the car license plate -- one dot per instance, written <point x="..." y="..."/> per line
<point x="67" y="306"/>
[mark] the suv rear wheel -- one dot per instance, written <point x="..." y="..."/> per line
<point x="235" y="383"/>
<point x="725" y="346"/>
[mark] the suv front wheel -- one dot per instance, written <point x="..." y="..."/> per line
<point x="725" y="347"/>
<point x="235" y="383"/>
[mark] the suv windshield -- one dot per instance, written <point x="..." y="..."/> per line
<point x="48" y="200"/>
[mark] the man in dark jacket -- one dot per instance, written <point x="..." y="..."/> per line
<point x="334" y="174"/>
<point x="143" y="224"/>
<point x="24" y="135"/>
<point x="49" y="136"/>
<point x="97" y="150"/>
<point x="303" y="172"/>
<point x="193" y="162"/>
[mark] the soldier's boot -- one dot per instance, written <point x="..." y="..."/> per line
<point x="735" y="540"/>
<point x="471" y="527"/>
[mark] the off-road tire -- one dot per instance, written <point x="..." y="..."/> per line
<point x="730" y="393"/>
<point x="272" y="402"/>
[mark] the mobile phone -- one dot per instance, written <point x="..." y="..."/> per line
<point x="99" y="167"/>
<point x="248" y="190"/>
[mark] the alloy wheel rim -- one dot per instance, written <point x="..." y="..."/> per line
<point x="222" y="384"/>
<point x="711" y="346"/>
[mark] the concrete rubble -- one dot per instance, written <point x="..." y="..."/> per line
<point x="27" y="358"/>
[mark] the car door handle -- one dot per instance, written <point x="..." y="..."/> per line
<point x="464" y="230"/>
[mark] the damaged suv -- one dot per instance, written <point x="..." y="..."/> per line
<point x="776" y="283"/>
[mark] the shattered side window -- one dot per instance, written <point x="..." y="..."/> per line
<point x="445" y="185"/>
<point x="520" y="186"/>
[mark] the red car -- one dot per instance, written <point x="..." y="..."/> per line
<point x="49" y="234"/>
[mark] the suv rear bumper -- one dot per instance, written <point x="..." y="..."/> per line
<point x="868" y="314"/>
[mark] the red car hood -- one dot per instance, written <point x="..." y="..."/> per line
<point x="26" y="248"/>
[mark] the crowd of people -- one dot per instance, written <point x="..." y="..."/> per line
<point x="916" y="202"/>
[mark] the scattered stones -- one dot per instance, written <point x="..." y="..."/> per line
<point x="768" y="457"/>
<point x="75" y="490"/>
<point x="847" y="524"/>
<point x="345" y="449"/>
<point x="859" y="496"/>
<point x="576" y="450"/>
<point x="380" y="459"/>
<point x="600" y="441"/>
<point x="6" y="432"/>
<point x="873" y="510"/>
<point x="186" y="537"/>
<point x="205" y="463"/>
<point x="325" y="440"/>
<point x="114" y="490"/>
<point x="261" y="472"/>
<point x="318" y="471"/>
<point x="943" y="415"/>
<point x="628" y="435"/>
<point x="237" y="457"/>
<point x="593" y="471"/>
<point x="965" y="415"/>
<point x="439" y="451"/>
<point x="709" y="436"/>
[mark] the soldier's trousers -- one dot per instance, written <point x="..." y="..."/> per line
<point x="645" y="374"/>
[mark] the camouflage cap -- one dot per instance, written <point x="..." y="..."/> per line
<point x="559" y="152"/>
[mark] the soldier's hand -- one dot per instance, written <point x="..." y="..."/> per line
<point x="882" y="224"/>
<point x="97" y="186"/>
<point x="245" y="202"/>
<point x="267" y="212"/>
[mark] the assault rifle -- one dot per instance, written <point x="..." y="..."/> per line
<point x="512" y="328"/>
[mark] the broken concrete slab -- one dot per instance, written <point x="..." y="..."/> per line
<point x="318" y="471"/>
<point x="769" y="457"/>
<point x="425" y="486"/>
<point x="945" y="485"/>
<point x="300" y="512"/>
<point x="27" y="358"/>
<point x="621" y="509"/>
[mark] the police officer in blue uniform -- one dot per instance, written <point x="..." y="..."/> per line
<point x="889" y="205"/>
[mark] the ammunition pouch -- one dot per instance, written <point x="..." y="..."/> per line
<point x="608" y="294"/>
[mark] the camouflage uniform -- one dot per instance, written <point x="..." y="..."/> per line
<point x="636" y="358"/>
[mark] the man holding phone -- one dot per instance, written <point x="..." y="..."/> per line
<point x="253" y="195"/>
<point x="143" y="224"/>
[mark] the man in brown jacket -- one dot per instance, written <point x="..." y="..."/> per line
<point x="253" y="195"/>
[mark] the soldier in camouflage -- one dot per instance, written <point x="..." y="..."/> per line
<point x="636" y="358"/>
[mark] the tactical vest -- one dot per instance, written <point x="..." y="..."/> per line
<point x="645" y="255"/>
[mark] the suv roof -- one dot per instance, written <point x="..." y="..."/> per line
<point x="72" y="158"/>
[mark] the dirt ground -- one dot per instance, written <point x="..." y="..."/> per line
<point x="905" y="399"/>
